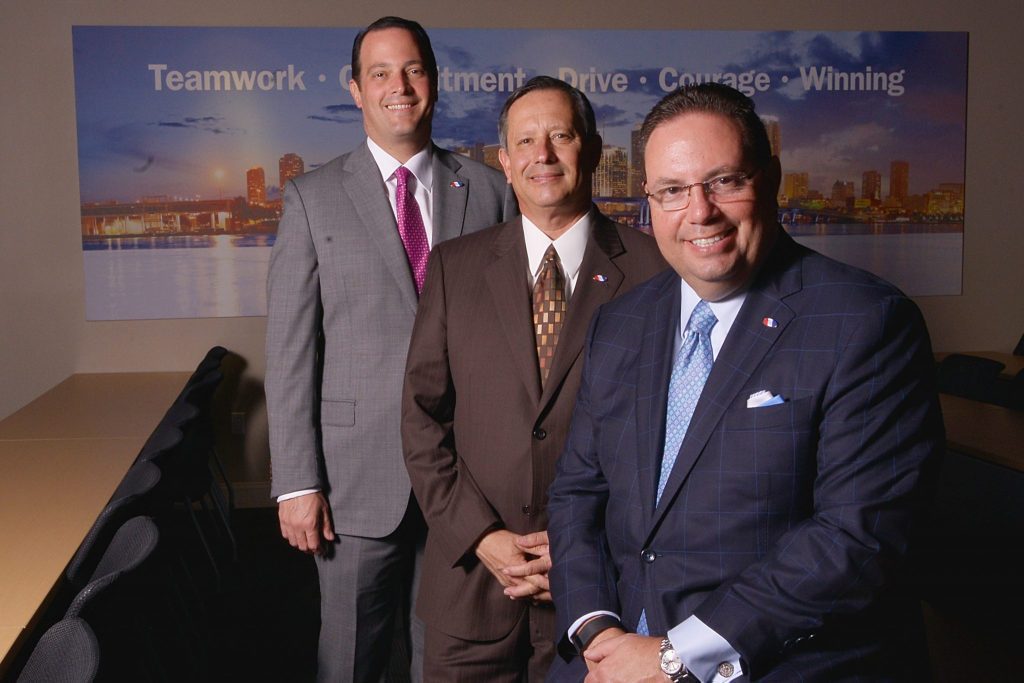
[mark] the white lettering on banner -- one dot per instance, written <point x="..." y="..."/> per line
<point x="747" y="82"/>
<point x="827" y="78"/>
<point x="594" y="81"/>
<point x="216" y="80"/>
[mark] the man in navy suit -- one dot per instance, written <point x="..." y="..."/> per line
<point x="767" y="542"/>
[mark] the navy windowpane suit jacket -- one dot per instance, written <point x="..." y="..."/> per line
<point x="783" y="528"/>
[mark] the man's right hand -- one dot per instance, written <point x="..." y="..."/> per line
<point x="306" y="522"/>
<point x="498" y="550"/>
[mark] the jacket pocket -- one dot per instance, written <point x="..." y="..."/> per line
<point x="338" y="413"/>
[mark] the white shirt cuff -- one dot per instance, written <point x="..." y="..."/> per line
<point x="706" y="654"/>
<point x="295" y="494"/>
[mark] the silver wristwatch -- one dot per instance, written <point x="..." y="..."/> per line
<point x="671" y="665"/>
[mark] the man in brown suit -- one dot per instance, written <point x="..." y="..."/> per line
<point x="491" y="380"/>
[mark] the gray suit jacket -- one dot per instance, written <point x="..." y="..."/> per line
<point x="341" y="305"/>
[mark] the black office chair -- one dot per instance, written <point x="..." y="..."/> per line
<point x="131" y="498"/>
<point x="117" y="603"/>
<point x="67" y="653"/>
<point x="969" y="376"/>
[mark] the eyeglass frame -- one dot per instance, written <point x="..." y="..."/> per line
<point x="705" y="185"/>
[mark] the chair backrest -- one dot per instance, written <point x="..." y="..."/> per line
<point x="67" y="653"/>
<point x="132" y="545"/>
<point x="969" y="376"/>
<point x="129" y="500"/>
<point x="123" y="601"/>
<point x="210" y="362"/>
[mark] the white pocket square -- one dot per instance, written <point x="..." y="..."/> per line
<point x="763" y="398"/>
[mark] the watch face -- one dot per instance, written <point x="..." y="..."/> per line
<point x="670" y="663"/>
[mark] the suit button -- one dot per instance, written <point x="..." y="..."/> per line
<point x="648" y="555"/>
<point x="539" y="434"/>
<point x="527" y="510"/>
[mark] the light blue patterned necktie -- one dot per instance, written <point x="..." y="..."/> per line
<point x="689" y="373"/>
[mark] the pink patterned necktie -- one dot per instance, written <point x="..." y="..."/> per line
<point x="410" y="227"/>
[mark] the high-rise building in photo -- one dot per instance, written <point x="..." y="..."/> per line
<point x="256" y="186"/>
<point x="771" y="125"/>
<point x="612" y="175"/>
<point x="289" y="166"/>
<point x="794" y="185"/>
<point x="871" y="186"/>
<point x="899" y="180"/>
<point x="636" y="162"/>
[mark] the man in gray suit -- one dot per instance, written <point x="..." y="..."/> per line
<point x="345" y="273"/>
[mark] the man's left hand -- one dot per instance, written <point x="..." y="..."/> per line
<point x="626" y="658"/>
<point x="534" y="573"/>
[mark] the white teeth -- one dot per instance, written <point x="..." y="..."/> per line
<point x="398" y="106"/>
<point x="707" y="241"/>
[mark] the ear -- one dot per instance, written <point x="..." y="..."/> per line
<point x="506" y="164"/>
<point x="353" y="88"/>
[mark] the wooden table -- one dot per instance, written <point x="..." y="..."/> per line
<point x="1013" y="364"/>
<point x="61" y="457"/>
<point x="984" y="431"/>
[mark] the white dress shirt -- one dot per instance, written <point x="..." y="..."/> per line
<point x="570" y="246"/>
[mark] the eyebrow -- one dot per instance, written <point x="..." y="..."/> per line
<point x="385" y="65"/>
<point x="717" y="172"/>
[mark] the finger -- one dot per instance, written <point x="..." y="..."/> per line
<point x="539" y="580"/>
<point x="538" y="566"/>
<point x="532" y="540"/>
<point x="523" y="589"/>
<point x="542" y="597"/>
<point x="325" y="524"/>
<point x="311" y="541"/>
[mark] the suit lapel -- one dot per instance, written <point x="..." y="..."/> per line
<point x="603" y="246"/>
<point x="507" y="283"/>
<point x="369" y="196"/>
<point x="748" y="342"/>
<point x="654" y="367"/>
<point x="450" y="195"/>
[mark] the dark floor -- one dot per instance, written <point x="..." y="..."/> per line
<point x="268" y="614"/>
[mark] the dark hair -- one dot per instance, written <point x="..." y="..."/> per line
<point x="418" y="34"/>
<point x="714" y="98"/>
<point x="580" y="105"/>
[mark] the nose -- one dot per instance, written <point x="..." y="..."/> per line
<point x="701" y="208"/>
<point x="544" y="152"/>
<point x="400" y="83"/>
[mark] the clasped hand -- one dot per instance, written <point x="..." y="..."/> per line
<point x="519" y="563"/>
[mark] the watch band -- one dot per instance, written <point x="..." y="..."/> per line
<point x="585" y="634"/>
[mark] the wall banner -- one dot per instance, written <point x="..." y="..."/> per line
<point x="186" y="135"/>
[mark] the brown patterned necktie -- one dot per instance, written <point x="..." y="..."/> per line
<point x="549" y="308"/>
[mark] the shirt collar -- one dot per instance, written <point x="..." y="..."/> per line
<point x="419" y="164"/>
<point x="725" y="310"/>
<point x="570" y="245"/>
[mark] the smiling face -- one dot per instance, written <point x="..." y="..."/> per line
<point x="548" y="161"/>
<point x="716" y="246"/>
<point x="395" y="92"/>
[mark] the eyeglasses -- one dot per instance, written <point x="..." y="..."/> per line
<point x="725" y="188"/>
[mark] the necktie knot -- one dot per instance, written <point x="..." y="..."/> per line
<point x="411" y="228"/>
<point x="402" y="176"/>
<point x="702" y="319"/>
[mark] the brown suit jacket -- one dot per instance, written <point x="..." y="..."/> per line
<point x="480" y="436"/>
